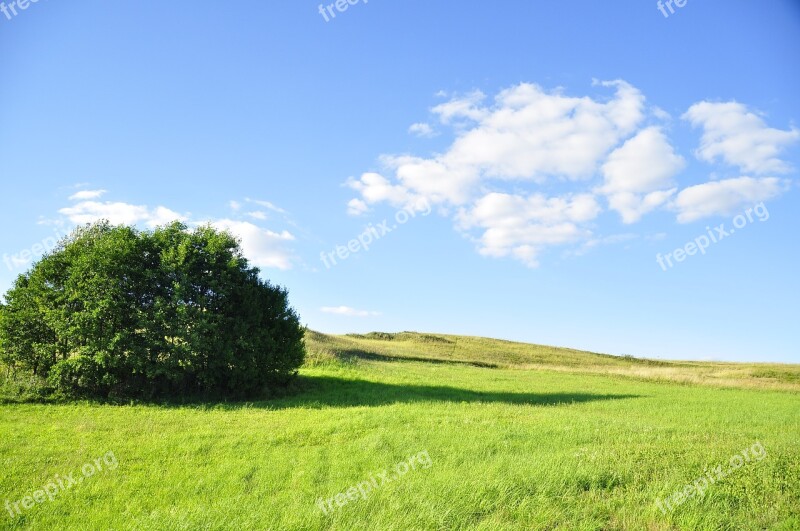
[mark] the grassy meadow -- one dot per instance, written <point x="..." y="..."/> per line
<point x="514" y="437"/>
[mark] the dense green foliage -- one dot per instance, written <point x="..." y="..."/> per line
<point x="115" y="312"/>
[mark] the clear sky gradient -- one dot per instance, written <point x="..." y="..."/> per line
<point x="532" y="159"/>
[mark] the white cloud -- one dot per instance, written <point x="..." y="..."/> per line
<point x="266" y="204"/>
<point x="86" y="194"/>
<point x="724" y="197"/>
<point x="357" y="207"/>
<point x="375" y="188"/>
<point x="422" y="129"/>
<point x="739" y="137"/>
<point x="638" y="175"/>
<point x="235" y="205"/>
<point x="431" y="179"/>
<point x="262" y="247"/>
<point x="523" y="226"/>
<point x="632" y="207"/>
<point x="531" y="134"/>
<point x="118" y="213"/>
<point x="645" y="163"/>
<point x="527" y="134"/>
<point x="521" y="173"/>
<point x="115" y="212"/>
<point x="466" y="107"/>
<point x="257" y="214"/>
<point x="614" y="239"/>
<point x="348" y="311"/>
<point x="163" y="216"/>
<point x="59" y="222"/>
<point x="661" y="114"/>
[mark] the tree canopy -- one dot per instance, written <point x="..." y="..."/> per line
<point x="118" y="312"/>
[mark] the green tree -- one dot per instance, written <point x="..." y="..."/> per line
<point x="113" y="311"/>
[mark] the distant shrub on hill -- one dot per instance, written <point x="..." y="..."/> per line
<point x="404" y="336"/>
<point x="116" y="312"/>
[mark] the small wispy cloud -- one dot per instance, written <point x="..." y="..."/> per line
<point x="266" y="204"/>
<point x="422" y="130"/>
<point x="84" y="195"/>
<point x="614" y="239"/>
<point x="348" y="311"/>
<point x="257" y="214"/>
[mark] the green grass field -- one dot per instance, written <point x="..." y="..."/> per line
<point x="501" y="436"/>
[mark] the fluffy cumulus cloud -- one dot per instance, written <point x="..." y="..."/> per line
<point x="526" y="134"/>
<point x="264" y="248"/>
<point x="531" y="134"/>
<point x="639" y="174"/>
<point x="738" y="137"/>
<point x="522" y="226"/>
<point x="725" y="197"/>
<point x="510" y="152"/>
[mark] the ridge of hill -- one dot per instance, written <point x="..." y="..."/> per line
<point x="497" y="353"/>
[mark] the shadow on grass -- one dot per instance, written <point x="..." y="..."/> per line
<point x="326" y="391"/>
<point x="371" y="356"/>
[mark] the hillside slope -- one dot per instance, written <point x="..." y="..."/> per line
<point x="496" y="353"/>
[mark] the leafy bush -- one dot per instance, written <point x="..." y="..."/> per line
<point x="80" y="376"/>
<point x="113" y="311"/>
<point x="16" y="387"/>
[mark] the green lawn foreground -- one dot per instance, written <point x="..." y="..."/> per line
<point x="507" y="448"/>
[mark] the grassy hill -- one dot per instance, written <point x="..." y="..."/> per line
<point x="420" y="431"/>
<point x="495" y="353"/>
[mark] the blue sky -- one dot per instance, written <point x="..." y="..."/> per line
<point x="530" y="159"/>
